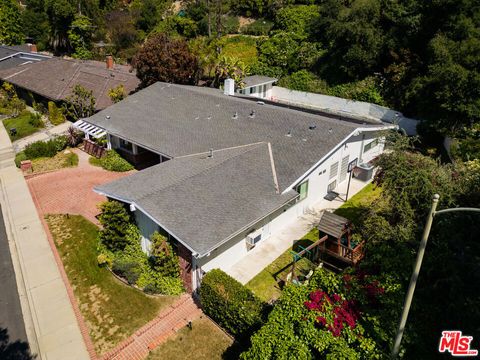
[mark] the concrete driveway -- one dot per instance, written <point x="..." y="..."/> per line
<point x="70" y="191"/>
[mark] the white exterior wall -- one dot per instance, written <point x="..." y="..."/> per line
<point x="147" y="227"/>
<point x="257" y="91"/>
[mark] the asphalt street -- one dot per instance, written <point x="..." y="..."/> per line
<point x="11" y="317"/>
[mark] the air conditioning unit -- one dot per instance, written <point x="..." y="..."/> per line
<point x="254" y="237"/>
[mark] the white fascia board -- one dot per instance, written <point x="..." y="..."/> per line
<point x="318" y="163"/>
<point x="149" y="216"/>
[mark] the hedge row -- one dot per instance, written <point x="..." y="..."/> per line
<point x="112" y="161"/>
<point x="233" y="306"/>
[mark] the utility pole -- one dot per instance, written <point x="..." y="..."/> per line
<point x="416" y="269"/>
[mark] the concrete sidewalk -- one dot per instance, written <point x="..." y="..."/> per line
<point x="261" y="256"/>
<point x="52" y="329"/>
<point x="42" y="135"/>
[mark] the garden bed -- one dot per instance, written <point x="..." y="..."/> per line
<point x="63" y="159"/>
<point x="112" y="310"/>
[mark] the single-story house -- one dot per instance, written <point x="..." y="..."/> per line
<point x="257" y="86"/>
<point x="231" y="170"/>
<point x="53" y="79"/>
<point x="13" y="56"/>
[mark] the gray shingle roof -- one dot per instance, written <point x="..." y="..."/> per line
<point x="13" y="56"/>
<point x="254" y="80"/>
<point x="178" y="120"/>
<point x="55" y="78"/>
<point x="201" y="200"/>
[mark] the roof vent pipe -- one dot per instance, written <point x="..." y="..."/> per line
<point x="252" y="114"/>
<point x="210" y="153"/>
<point x="229" y="87"/>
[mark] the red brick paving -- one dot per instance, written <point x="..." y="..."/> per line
<point x="70" y="191"/>
<point x="156" y="331"/>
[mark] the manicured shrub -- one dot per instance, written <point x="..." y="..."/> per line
<point x="55" y="114"/>
<point x="19" y="158"/>
<point x="114" y="162"/>
<point x="162" y="258"/>
<point x="115" y="222"/>
<point x="45" y="148"/>
<point x="129" y="270"/>
<point x="231" y="304"/>
<point x="36" y="120"/>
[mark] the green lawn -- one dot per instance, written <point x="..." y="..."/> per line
<point x="23" y="125"/>
<point x="204" y="342"/>
<point x="112" y="310"/>
<point x="240" y="47"/>
<point x="264" y="285"/>
<point x="357" y="204"/>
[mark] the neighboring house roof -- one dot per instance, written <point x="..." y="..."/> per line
<point x="13" y="56"/>
<point x="55" y="78"/>
<point x="178" y="120"/>
<point x="204" y="201"/>
<point x="256" y="80"/>
<point x="333" y="224"/>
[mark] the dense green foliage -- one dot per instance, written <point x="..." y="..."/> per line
<point x="10" y="25"/>
<point x="112" y="161"/>
<point x="45" y="148"/>
<point x="120" y="248"/>
<point x="392" y="227"/>
<point x="55" y="114"/>
<point x="80" y="104"/>
<point x="230" y="304"/>
<point x="115" y="220"/>
<point x="331" y="317"/>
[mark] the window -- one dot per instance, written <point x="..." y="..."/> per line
<point x="251" y="90"/>
<point x="370" y="145"/>
<point x="332" y="186"/>
<point x="333" y="170"/>
<point x="302" y="189"/>
<point x="344" y="168"/>
<point x="124" y="144"/>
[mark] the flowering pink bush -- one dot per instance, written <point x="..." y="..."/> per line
<point x="341" y="311"/>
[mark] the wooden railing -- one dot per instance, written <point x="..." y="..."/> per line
<point x="344" y="252"/>
<point x="93" y="149"/>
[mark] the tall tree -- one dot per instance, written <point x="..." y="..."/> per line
<point x="10" y="24"/>
<point x="80" y="37"/>
<point x="164" y="59"/>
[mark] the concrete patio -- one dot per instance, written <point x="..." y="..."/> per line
<point x="267" y="251"/>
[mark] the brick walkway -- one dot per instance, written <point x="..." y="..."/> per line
<point x="69" y="191"/>
<point x="151" y="335"/>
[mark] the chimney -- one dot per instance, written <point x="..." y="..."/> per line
<point x="109" y="61"/>
<point x="229" y="87"/>
<point x="32" y="48"/>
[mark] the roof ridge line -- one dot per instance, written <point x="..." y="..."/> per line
<point x="212" y="166"/>
<point x="274" y="171"/>
<point x="222" y="149"/>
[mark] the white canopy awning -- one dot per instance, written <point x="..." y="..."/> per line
<point x="89" y="129"/>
